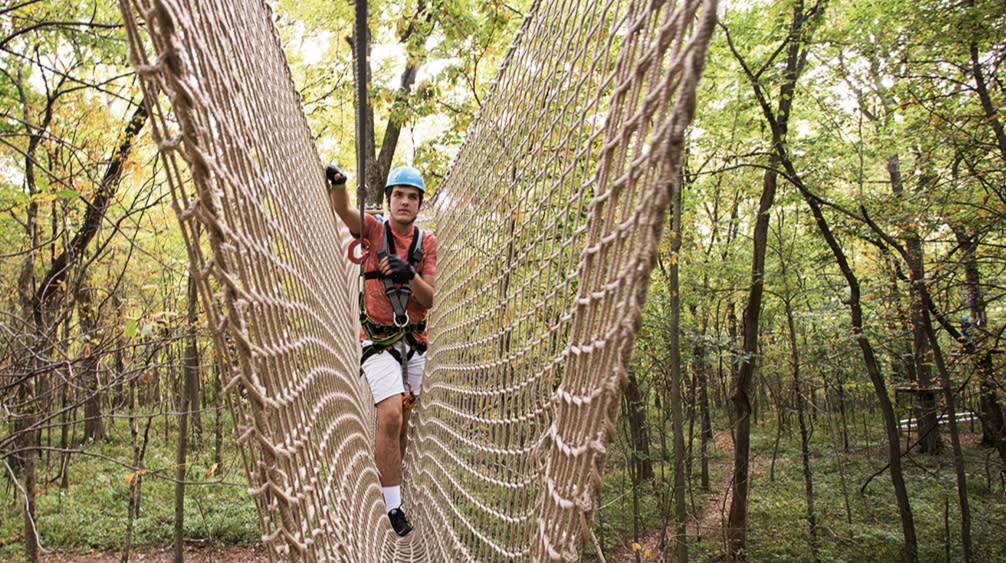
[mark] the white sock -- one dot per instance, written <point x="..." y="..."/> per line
<point x="392" y="497"/>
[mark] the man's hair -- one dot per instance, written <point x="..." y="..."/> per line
<point x="389" y="189"/>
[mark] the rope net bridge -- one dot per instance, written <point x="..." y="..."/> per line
<point x="549" y="223"/>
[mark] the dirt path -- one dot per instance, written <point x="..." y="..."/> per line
<point x="710" y="523"/>
<point x="715" y="513"/>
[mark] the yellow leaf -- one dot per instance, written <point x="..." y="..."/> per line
<point x="134" y="476"/>
<point x="636" y="546"/>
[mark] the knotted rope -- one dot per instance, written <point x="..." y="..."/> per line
<point x="549" y="223"/>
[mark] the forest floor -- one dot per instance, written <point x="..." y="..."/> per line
<point x="195" y="553"/>
<point x="710" y="522"/>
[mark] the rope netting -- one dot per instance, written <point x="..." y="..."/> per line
<point x="549" y="223"/>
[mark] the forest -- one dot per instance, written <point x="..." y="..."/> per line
<point x="818" y="376"/>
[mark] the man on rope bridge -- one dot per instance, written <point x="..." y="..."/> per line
<point x="398" y="291"/>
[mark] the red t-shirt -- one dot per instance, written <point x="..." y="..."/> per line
<point x="378" y="306"/>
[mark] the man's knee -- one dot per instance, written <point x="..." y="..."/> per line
<point x="389" y="416"/>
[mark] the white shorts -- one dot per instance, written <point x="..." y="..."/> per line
<point x="384" y="373"/>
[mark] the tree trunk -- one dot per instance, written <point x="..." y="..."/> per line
<point x="181" y="453"/>
<point x="872" y="368"/>
<point x="191" y="364"/>
<point x="808" y="480"/>
<point x="734" y="360"/>
<point x="94" y="428"/>
<point x="876" y="377"/>
<point x="928" y="415"/>
<point x="64" y="437"/>
<point x="136" y="481"/>
<point x="856" y="313"/>
<point x="700" y="370"/>
<point x="741" y="397"/>
<point x="40" y="301"/>
<point x="31" y="542"/>
<point x="188" y="406"/>
<point x="218" y="426"/>
<point x="801" y="29"/>
<point x="378" y="163"/>
<point x="973" y="342"/>
<point x="638" y="435"/>
<point x="955" y="437"/>
<point x="119" y="396"/>
<point x="53" y="283"/>
<point x="842" y="411"/>
<point x="798" y="398"/>
<point x="677" y="418"/>
<point x="25" y="442"/>
<point x="178" y="538"/>
<point x="989" y="106"/>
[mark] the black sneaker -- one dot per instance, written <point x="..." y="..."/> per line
<point x="399" y="522"/>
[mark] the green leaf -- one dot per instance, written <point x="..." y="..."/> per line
<point x="130" y="329"/>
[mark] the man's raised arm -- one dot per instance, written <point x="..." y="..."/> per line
<point x="338" y="198"/>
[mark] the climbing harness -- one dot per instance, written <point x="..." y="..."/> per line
<point x="398" y="294"/>
<point x="384" y="337"/>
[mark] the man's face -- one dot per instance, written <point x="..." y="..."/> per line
<point x="403" y="203"/>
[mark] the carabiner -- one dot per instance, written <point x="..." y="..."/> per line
<point x="364" y="245"/>
<point x="404" y="323"/>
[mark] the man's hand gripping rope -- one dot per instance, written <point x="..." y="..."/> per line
<point x="335" y="176"/>
<point x="337" y="179"/>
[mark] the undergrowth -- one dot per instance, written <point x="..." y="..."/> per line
<point x="855" y="509"/>
<point x="856" y="513"/>
<point x="90" y="514"/>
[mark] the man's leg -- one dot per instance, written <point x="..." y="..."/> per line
<point x="384" y="375"/>
<point x="403" y="434"/>
<point x="388" y="455"/>
<point x="417" y="364"/>
<point x="387" y="448"/>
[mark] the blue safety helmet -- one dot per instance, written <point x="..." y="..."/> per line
<point x="405" y="176"/>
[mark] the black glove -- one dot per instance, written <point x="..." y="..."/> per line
<point x="401" y="271"/>
<point x="335" y="176"/>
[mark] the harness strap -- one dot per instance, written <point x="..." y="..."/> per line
<point x="370" y="351"/>
<point x="398" y="294"/>
<point x="389" y="334"/>
<point x="370" y="328"/>
<point x="375" y="349"/>
<point x="414" y="347"/>
<point x="415" y="254"/>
